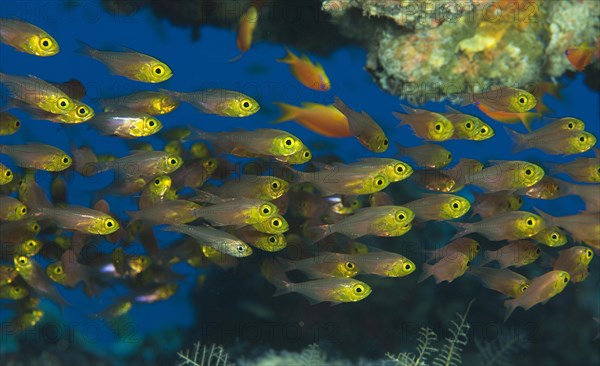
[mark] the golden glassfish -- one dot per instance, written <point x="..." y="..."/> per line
<point x="9" y="124"/>
<point x="425" y="124"/>
<point x="562" y="143"/>
<point x="585" y="170"/>
<point x="546" y="189"/>
<point x="168" y="212"/>
<point x="155" y="192"/>
<point x="465" y="246"/>
<point x="490" y="204"/>
<point x="426" y="155"/>
<point x="552" y="236"/>
<point x="263" y="241"/>
<point x="221" y="102"/>
<point x="37" y="279"/>
<point x="446" y="269"/>
<point x="383" y="263"/>
<point x="126" y="124"/>
<point x="386" y="221"/>
<point x="504" y="175"/>
<point x="517" y="253"/>
<point x="364" y="128"/>
<point x="130" y="64"/>
<point x="502" y="99"/>
<point x="146" y="163"/>
<point x="322" y="265"/>
<point x="511" y="225"/>
<point x="37" y="156"/>
<point x="26" y="37"/>
<point x="217" y="239"/>
<point x="541" y="289"/>
<point x="468" y="127"/>
<point x="306" y="72"/>
<point x="439" y="207"/>
<point x="504" y="281"/>
<point x="45" y="96"/>
<point x="149" y="102"/>
<point x="252" y="186"/>
<point x="11" y="209"/>
<point x="239" y="211"/>
<point x="326" y="120"/>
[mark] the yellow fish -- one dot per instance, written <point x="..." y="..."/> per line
<point x="149" y="102"/>
<point x="38" y="156"/>
<point x="505" y="281"/>
<point x="130" y="64"/>
<point x="26" y="37"/>
<point x="126" y="124"/>
<point x="9" y="124"/>
<point x="540" y="290"/>
<point x="308" y="74"/>
<point x="427" y="125"/>
<point x="364" y="128"/>
<point x="517" y="253"/>
<point x="221" y="102"/>
<point x="38" y="93"/>
<point x="426" y="155"/>
<point x="439" y="207"/>
<point x="217" y="239"/>
<point x="503" y="99"/>
<point x="11" y="209"/>
<point x="510" y="225"/>
<point x="561" y="143"/>
<point x="322" y="265"/>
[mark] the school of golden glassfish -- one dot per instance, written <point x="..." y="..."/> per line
<point x="230" y="218"/>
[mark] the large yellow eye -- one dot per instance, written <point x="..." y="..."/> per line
<point x="109" y="223"/>
<point x="582" y="138"/>
<point x="379" y="182"/>
<point x="31" y="244"/>
<point x="23" y="210"/>
<point x="246" y="104"/>
<point x="63" y="103"/>
<point x="589" y="253"/>
<point x="528" y="171"/>
<point x="307" y="154"/>
<point x="58" y="269"/>
<point x="438" y="126"/>
<point x="570" y="125"/>
<point x="469" y="125"/>
<point x="565" y="278"/>
<point x="358" y="289"/>
<point x="17" y="124"/>
<point x="400" y="168"/>
<point x="276" y="222"/>
<point x="554" y="236"/>
<point x="46" y="43"/>
<point x="349" y="266"/>
<point x="524" y="288"/>
<point x="22" y="260"/>
<point x="157" y="181"/>
<point x="66" y="160"/>
<point x="401" y="216"/>
<point x="407" y="267"/>
<point x="265" y="210"/>
<point x="529" y="222"/>
<point x="82" y="111"/>
<point x="173" y="161"/>
<point x="455" y="204"/>
<point x="35" y="228"/>
<point x="272" y="239"/>
<point x="151" y="123"/>
<point x="484" y="130"/>
<point x="355" y="204"/>
<point x="7" y="173"/>
<point x="275" y="185"/>
<point x="522" y="99"/>
<point x="158" y="70"/>
<point x="288" y="141"/>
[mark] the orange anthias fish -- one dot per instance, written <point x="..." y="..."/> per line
<point x="580" y="56"/>
<point x="509" y="117"/>
<point x="248" y="23"/>
<point x="325" y="120"/>
<point x="309" y="74"/>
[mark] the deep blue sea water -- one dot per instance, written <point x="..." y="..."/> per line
<point x="200" y="65"/>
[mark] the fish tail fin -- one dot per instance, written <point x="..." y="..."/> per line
<point x="463" y="229"/>
<point x="285" y="264"/>
<point x="174" y="94"/>
<point x="340" y="105"/>
<point x="427" y="272"/>
<point x="518" y="140"/>
<point x="289" y="57"/>
<point x="510" y="306"/>
<point x="272" y="272"/>
<point x="318" y="233"/>
<point x="528" y="118"/>
<point x="86" y="49"/>
<point x="288" y="112"/>
<point x="400" y="117"/>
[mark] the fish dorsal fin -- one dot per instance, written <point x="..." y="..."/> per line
<point x="452" y="110"/>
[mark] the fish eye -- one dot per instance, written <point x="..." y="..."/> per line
<point x="31" y="243"/>
<point x="528" y="172"/>
<point x="22" y="260"/>
<point x="524" y="288"/>
<point x="379" y="182"/>
<point x="246" y="105"/>
<point x="157" y="181"/>
<point x="58" y="269"/>
<point x="582" y="138"/>
<point x="529" y="222"/>
<point x="566" y="279"/>
<point x="82" y="111"/>
<point x="477" y="247"/>
<point x="400" y="168"/>
<point x="359" y="289"/>
<point x="519" y="200"/>
<point x="8" y="173"/>
<point x="159" y="70"/>
<point x="538" y="251"/>
<point x="151" y="123"/>
<point x="407" y="267"/>
<point x="265" y="209"/>
<point x="355" y="204"/>
<point x="17" y="289"/>
<point x="438" y="126"/>
<point x="173" y="161"/>
<point x="109" y="223"/>
<point x="23" y="210"/>
<point x="272" y="239"/>
<point x="36" y="227"/>
<point x="275" y="222"/>
<point x="570" y="125"/>
<point x="288" y="141"/>
<point x="17" y="123"/>
<point x="456" y="204"/>
<point x="468" y="263"/>
<point x="554" y="236"/>
<point x="385" y="142"/>
<point x="588" y="253"/>
<point x="349" y="265"/>
<point x="45" y="43"/>
<point x="241" y="248"/>
<point x="522" y="99"/>
<point x="449" y="156"/>
<point x="307" y="154"/>
<point x="66" y="160"/>
<point x="275" y="185"/>
<point x="401" y="216"/>
<point x="63" y="103"/>
<point x="469" y="125"/>
<point x="484" y="130"/>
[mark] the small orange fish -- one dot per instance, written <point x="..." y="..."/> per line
<point x="307" y="73"/>
<point x="325" y="120"/>
<point x="248" y="23"/>
<point x="580" y="56"/>
<point x="509" y="117"/>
